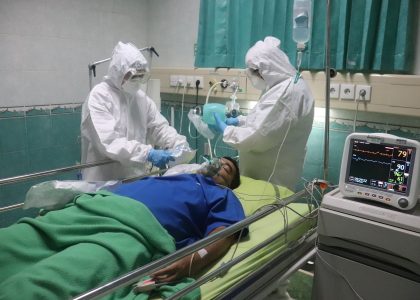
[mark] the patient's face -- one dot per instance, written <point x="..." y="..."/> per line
<point x="226" y="173"/>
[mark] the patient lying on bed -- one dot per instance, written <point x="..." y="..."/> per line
<point x="101" y="236"/>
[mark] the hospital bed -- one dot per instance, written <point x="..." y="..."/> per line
<point x="281" y="240"/>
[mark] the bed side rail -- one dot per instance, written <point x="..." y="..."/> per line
<point x="26" y="177"/>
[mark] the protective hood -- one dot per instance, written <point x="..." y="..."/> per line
<point x="125" y="58"/>
<point x="271" y="62"/>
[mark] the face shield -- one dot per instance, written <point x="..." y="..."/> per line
<point x="256" y="80"/>
<point x="135" y="78"/>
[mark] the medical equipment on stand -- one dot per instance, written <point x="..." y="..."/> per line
<point x="381" y="167"/>
<point x="302" y="20"/>
<point x="367" y="249"/>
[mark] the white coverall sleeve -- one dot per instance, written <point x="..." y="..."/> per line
<point x="111" y="141"/>
<point x="262" y="129"/>
<point x="159" y="131"/>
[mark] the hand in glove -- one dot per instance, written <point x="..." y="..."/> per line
<point x="220" y="125"/>
<point x="232" y="121"/>
<point x="160" y="158"/>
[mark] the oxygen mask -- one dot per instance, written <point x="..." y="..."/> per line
<point x="211" y="167"/>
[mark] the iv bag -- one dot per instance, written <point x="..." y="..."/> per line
<point x="302" y="19"/>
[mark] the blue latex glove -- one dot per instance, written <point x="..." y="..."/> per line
<point x="220" y="125"/>
<point x="232" y="121"/>
<point x="160" y="158"/>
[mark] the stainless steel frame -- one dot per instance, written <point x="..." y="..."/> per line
<point x="25" y="177"/>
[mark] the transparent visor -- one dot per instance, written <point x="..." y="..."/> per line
<point x="140" y="75"/>
<point x="252" y="73"/>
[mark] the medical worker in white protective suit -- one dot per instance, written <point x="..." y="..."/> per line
<point x="119" y="122"/>
<point x="280" y="121"/>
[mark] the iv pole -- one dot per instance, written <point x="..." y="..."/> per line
<point x="327" y="90"/>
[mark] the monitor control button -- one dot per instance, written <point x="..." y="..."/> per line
<point x="402" y="202"/>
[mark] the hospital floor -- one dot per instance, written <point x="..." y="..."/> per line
<point x="299" y="288"/>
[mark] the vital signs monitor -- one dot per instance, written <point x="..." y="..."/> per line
<point x="381" y="167"/>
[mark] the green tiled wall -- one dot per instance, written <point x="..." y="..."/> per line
<point x="34" y="141"/>
<point x="41" y="140"/>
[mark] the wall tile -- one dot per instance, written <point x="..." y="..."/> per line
<point x="45" y="111"/>
<point x="39" y="132"/>
<point x="13" y="163"/>
<point x="65" y="129"/>
<point x="12" y="114"/>
<point x="12" y="135"/>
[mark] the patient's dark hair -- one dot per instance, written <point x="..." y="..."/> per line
<point x="237" y="178"/>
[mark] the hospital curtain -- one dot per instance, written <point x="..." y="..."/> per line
<point x="365" y="35"/>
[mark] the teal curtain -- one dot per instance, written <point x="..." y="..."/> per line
<point x="365" y="35"/>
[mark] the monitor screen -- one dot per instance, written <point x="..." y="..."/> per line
<point x="384" y="167"/>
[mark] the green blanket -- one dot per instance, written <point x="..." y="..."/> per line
<point x="91" y="241"/>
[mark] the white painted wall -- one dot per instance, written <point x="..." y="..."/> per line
<point x="46" y="45"/>
<point x="173" y="31"/>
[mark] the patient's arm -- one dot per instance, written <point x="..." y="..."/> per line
<point x="181" y="268"/>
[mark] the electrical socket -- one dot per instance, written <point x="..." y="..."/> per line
<point x="347" y="91"/>
<point x="182" y="81"/>
<point x="173" y="80"/>
<point x="201" y="85"/>
<point x="334" y="90"/>
<point x="190" y="81"/>
<point x="363" y="89"/>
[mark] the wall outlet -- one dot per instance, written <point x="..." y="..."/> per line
<point x="363" y="92"/>
<point x="334" y="90"/>
<point x="201" y="79"/>
<point x="347" y="91"/>
<point x="173" y="80"/>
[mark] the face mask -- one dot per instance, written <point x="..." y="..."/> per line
<point x="256" y="80"/>
<point x="131" y="86"/>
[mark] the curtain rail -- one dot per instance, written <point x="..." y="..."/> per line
<point x="134" y="275"/>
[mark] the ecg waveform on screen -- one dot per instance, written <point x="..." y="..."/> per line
<point x="371" y="161"/>
<point x="374" y="153"/>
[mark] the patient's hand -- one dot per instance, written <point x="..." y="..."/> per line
<point x="174" y="272"/>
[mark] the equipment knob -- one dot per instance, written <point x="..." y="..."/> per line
<point x="402" y="202"/>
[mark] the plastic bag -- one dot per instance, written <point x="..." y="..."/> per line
<point x="183" y="154"/>
<point x="183" y="169"/>
<point x="201" y="127"/>
<point x="56" y="194"/>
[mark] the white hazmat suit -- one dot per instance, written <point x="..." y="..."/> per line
<point x="121" y="123"/>
<point x="283" y="104"/>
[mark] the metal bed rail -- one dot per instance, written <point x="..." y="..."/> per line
<point x="134" y="275"/>
<point x="225" y="267"/>
<point x="25" y="177"/>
